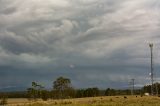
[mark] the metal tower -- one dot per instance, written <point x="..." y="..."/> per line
<point x="132" y="86"/>
<point x="151" y="74"/>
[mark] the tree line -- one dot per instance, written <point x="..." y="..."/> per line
<point x="63" y="89"/>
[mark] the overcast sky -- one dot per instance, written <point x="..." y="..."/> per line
<point x="95" y="43"/>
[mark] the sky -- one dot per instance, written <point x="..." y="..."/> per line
<point x="95" y="43"/>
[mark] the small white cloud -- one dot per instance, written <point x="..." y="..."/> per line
<point x="72" y="66"/>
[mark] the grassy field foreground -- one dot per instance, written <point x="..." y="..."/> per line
<point x="96" y="101"/>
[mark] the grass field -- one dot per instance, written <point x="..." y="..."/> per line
<point x="96" y="101"/>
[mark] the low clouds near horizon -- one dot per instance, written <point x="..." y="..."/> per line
<point x="101" y="43"/>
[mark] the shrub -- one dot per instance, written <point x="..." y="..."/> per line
<point x="44" y="95"/>
<point x="111" y="100"/>
<point x="3" y="101"/>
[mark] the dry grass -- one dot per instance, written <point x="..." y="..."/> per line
<point x="96" y="101"/>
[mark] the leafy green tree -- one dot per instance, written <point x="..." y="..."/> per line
<point x="80" y="93"/>
<point x="44" y="95"/>
<point x="110" y="92"/>
<point x="95" y="91"/>
<point x="62" y="88"/>
<point x="35" y="91"/>
<point x="91" y="92"/>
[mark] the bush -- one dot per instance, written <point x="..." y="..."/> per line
<point x="3" y="101"/>
<point x="44" y="95"/>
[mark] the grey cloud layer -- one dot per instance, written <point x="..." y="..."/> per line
<point x="105" y="37"/>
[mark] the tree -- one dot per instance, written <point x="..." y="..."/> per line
<point x="95" y="91"/>
<point x="3" y="101"/>
<point x="91" y="92"/>
<point x="35" y="91"/>
<point x="62" y="87"/>
<point x="80" y="93"/>
<point x="44" y="95"/>
<point x="110" y="92"/>
<point x="156" y="88"/>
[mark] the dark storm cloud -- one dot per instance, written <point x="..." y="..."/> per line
<point x="95" y="43"/>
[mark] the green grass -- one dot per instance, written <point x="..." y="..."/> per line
<point x="100" y="101"/>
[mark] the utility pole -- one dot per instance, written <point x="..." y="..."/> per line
<point x="157" y="88"/>
<point x="132" y="86"/>
<point x="131" y="83"/>
<point x="151" y="74"/>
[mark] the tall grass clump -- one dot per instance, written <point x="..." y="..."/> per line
<point x="3" y="100"/>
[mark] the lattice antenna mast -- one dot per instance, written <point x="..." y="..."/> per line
<point x="151" y="74"/>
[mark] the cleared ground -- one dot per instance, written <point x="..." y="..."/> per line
<point x="96" y="101"/>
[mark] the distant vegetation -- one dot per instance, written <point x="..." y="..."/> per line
<point x="63" y="89"/>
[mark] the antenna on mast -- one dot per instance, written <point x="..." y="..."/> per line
<point x="151" y="74"/>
